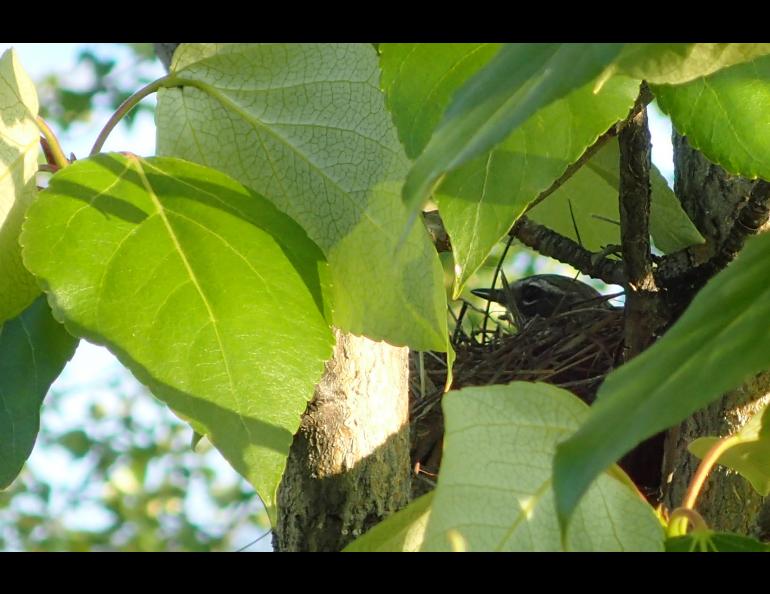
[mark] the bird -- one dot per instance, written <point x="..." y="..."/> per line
<point x="544" y="296"/>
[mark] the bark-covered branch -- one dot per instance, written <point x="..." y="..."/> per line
<point x="549" y="243"/>
<point x="687" y="267"/>
<point x="641" y="293"/>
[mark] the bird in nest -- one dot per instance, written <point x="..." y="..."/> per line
<point x="545" y="296"/>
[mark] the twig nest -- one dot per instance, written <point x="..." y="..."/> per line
<point x="574" y="350"/>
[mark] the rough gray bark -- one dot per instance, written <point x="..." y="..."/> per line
<point x="727" y="502"/>
<point x="348" y="467"/>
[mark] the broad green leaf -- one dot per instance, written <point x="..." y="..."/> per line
<point x="480" y="201"/>
<point x="593" y="194"/>
<point x="419" y="80"/>
<point x="306" y="126"/>
<point x="519" y="81"/>
<point x="19" y="148"/>
<point x="33" y="350"/>
<point x="720" y="340"/>
<point x="707" y="541"/>
<point x="750" y="456"/>
<point x="495" y="491"/>
<point x="677" y="63"/>
<point x="402" y="532"/>
<point x="726" y="116"/>
<point x="208" y="294"/>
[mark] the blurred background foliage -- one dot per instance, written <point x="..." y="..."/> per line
<point x="98" y="82"/>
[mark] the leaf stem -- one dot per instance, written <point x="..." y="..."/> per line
<point x="686" y="513"/>
<point x="699" y="478"/>
<point x="53" y="143"/>
<point x="677" y="525"/>
<point x="125" y="107"/>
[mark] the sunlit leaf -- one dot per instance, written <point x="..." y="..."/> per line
<point x="19" y="148"/>
<point x="750" y="456"/>
<point x="719" y="341"/>
<point x="306" y="126"/>
<point x="519" y="81"/>
<point x="401" y="532"/>
<point x="33" y="350"/>
<point x="726" y="116"/>
<point x="495" y="489"/>
<point x="419" y="80"/>
<point x="480" y="201"/>
<point x="677" y="63"/>
<point x="209" y="295"/>
<point x="593" y="194"/>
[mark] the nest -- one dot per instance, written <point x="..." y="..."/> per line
<point x="573" y="350"/>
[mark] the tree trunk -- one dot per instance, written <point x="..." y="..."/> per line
<point x="727" y="502"/>
<point x="349" y="466"/>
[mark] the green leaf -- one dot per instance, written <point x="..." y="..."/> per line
<point x="495" y="492"/>
<point x="519" y="81"/>
<point x="19" y="147"/>
<point x="726" y="116"/>
<point x="306" y="126"/>
<point x="419" y="80"/>
<point x="480" y="201"/>
<point x="402" y="532"/>
<point x="707" y="541"/>
<point x="677" y="63"/>
<point x="209" y="295"/>
<point x="33" y="351"/>
<point x="719" y="341"/>
<point x="750" y="456"/>
<point x="593" y="193"/>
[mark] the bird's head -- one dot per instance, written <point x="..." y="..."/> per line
<point x="543" y="295"/>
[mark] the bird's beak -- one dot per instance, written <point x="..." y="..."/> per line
<point x="488" y="294"/>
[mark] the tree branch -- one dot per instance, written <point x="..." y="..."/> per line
<point x="642" y="319"/>
<point x="687" y="268"/>
<point x="549" y="243"/>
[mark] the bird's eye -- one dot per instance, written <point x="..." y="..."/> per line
<point x="530" y="294"/>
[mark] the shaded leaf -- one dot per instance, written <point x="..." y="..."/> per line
<point x="726" y="116"/>
<point x="33" y="351"/>
<point x="520" y="80"/>
<point x="19" y="148"/>
<point x="495" y="491"/>
<point x="677" y="63"/>
<point x="750" y="456"/>
<point x="720" y="340"/>
<point x="706" y="541"/>
<point x="593" y="193"/>
<point x="306" y="126"/>
<point x="401" y="532"/>
<point x="208" y="294"/>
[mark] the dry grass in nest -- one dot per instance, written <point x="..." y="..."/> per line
<point x="574" y="350"/>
